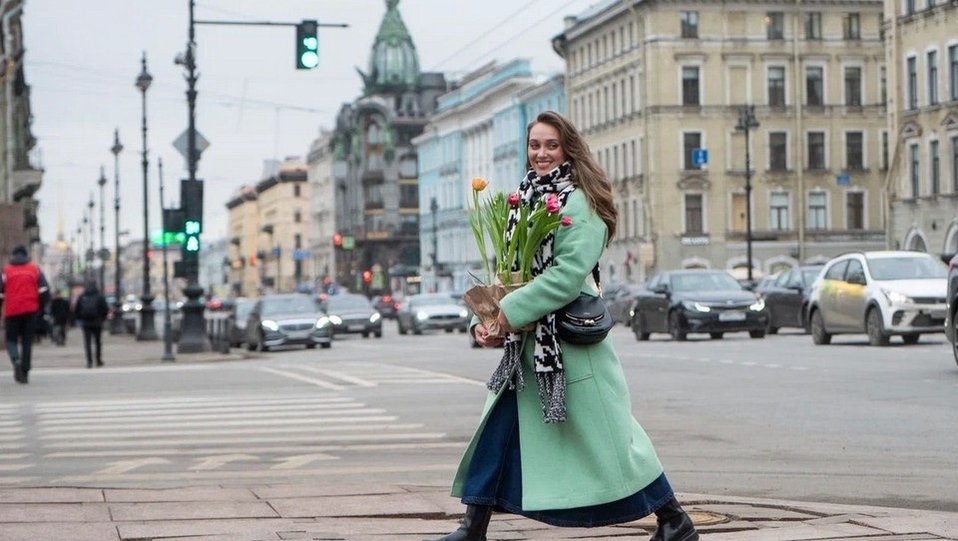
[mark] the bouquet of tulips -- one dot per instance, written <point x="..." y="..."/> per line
<point x="491" y="217"/>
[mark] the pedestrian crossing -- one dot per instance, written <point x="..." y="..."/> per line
<point x="262" y="436"/>
<point x="344" y="375"/>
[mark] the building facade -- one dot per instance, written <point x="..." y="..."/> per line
<point x="243" y="227"/>
<point x="652" y="85"/>
<point x="20" y="177"/>
<point x="922" y="57"/>
<point x="323" y="240"/>
<point x="375" y="165"/>
<point x="478" y="130"/>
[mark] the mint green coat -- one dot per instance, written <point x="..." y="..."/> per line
<point x="600" y="454"/>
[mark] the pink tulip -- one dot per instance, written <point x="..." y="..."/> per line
<point x="566" y="221"/>
<point x="552" y="204"/>
<point x="513" y="199"/>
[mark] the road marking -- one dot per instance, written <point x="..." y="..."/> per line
<point x="287" y="439"/>
<point x="798" y="367"/>
<point x="214" y="462"/>
<point x="11" y="430"/>
<point x="15" y="467"/>
<point x="312" y="417"/>
<point x="727" y="361"/>
<point x="341" y="376"/>
<point x="298" y="461"/>
<point x="448" y="377"/>
<point x="180" y="402"/>
<point x="123" y="466"/>
<point x="416" y="446"/>
<point x="255" y="411"/>
<point x="255" y="474"/>
<point x="749" y="363"/>
<point x="773" y="365"/>
<point x="13" y="456"/>
<point x="112" y="434"/>
<point x="313" y="381"/>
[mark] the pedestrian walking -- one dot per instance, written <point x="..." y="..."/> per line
<point x="23" y="291"/>
<point x="91" y="311"/>
<point x="557" y="442"/>
<point x="60" y="314"/>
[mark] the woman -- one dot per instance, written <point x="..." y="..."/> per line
<point x="557" y="442"/>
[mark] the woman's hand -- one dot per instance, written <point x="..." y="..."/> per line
<point x="485" y="339"/>
<point x="503" y="324"/>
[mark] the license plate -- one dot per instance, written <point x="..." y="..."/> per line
<point x="732" y="316"/>
<point x="357" y="327"/>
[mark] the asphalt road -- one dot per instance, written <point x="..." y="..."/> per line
<point x="777" y="417"/>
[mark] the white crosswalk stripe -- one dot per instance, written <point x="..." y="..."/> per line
<point x="366" y="374"/>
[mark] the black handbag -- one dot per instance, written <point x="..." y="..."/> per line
<point x="585" y="320"/>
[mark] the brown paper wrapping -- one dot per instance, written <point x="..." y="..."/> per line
<point x="484" y="300"/>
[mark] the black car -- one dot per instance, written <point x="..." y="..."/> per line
<point x="288" y="319"/>
<point x="620" y="300"/>
<point x="951" y="321"/>
<point x="387" y="305"/>
<point x="786" y="299"/>
<point x="351" y="313"/>
<point x="697" y="301"/>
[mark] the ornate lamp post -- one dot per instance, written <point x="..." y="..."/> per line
<point x="90" y="252"/>
<point x="147" y="323"/>
<point x="103" y="251"/>
<point x="116" y="322"/>
<point x="167" y="320"/>
<point x="746" y="121"/>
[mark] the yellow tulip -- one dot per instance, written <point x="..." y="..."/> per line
<point x="479" y="184"/>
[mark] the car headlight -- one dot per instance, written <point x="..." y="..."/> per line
<point x="696" y="306"/>
<point x="375" y="317"/>
<point x="758" y="305"/>
<point x="895" y="297"/>
<point x="322" y="322"/>
<point x="336" y="320"/>
<point x="422" y="316"/>
<point x="463" y="313"/>
<point x="270" y="325"/>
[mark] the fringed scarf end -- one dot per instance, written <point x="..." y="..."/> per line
<point x="508" y="372"/>
<point x="552" y="396"/>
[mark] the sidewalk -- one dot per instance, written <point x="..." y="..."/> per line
<point x="409" y="513"/>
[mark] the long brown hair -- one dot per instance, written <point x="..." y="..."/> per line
<point x="586" y="173"/>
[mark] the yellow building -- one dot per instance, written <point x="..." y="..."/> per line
<point x="650" y="84"/>
<point x="243" y="227"/>
<point x="922" y="55"/>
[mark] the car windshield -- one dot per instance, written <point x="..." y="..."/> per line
<point x="432" y="300"/>
<point x="289" y="305"/>
<point x="346" y="302"/>
<point x="704" y="281"/>
<point x="906" y="268"/>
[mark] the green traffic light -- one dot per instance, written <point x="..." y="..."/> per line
<point x="311" y="43"/>
<point x="192" y="244"/>
<point x="309" y="59"/>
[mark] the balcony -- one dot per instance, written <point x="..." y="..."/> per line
<point x="25" y="182"/>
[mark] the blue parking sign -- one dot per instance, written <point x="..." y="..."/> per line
<point x="700" y="156"/>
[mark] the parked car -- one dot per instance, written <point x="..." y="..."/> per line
<point x="387" y="305"/>
<point x="351" y="313"/>
<point x="620" y="300"/>
<point x="786" y="298"/>
<point x="287" y="319"/>
<point x="241" y="308"/>
<point x="697" y="301"/>
<point x="951" y="321"/>
<point x="881" y="294"/>
<point x="430" y="311"/>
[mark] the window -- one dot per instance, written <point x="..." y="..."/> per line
<point x="836" y="271"/>
<point x="816" y="150"/>
<point x="932" y="77"/>
<point x="909" y="7"/>
<point x="693" y="213"/>
<point x="884" y="151"/>
<point x="853" y="86"/>
<point x="778" y="151"/>
<point x="297" y="241"/>
<point x="954" y="164"/>
<point x="817" y="210"/>
<point x="778" y="211"/>
<point x="912" y="83"/>
<point x="690" y="85"/>
<point x="855" y="210"/>
<point x="883" y="84"/>
<point x="775" y="25"/>
<point x="690" y="24"/>
<point x="854" y="148"/>
<point x="933" y="156"/>
<point x="813" y="25"/>
<point x="953" y="72"/>
<point x="855" y="273"/>
<point x="814" y="88"/>
<point x="295" y="190"/>
<point x="690" y="142"/>
<point x="913" y="171"/>
<point x="297" y="217"/>
<point x="852" y="26"/>
<point x="776" y="86"/>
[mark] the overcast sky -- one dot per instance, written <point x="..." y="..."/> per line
<point x="82" y="60"/>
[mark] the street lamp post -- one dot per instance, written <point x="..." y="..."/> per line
<point x="116" y="322"/>
<point x="167" y="322"/>
<point x="90" y="252"/>
<point x="147" y="314"/>
<point x="103" y="252"/>
<point x="434" y="209"/>
<point x="747" y="121"/>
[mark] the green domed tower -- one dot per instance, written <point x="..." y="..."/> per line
<point x="393" y="63"/>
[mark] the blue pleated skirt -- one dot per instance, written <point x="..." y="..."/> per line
<point x="495" y="479"/>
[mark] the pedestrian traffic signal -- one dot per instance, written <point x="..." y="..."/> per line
<point x="192" y="230"/>
<point x="337" y="240"/>
<point x="307" y="45"/>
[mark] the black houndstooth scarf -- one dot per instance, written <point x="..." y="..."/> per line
<point x="550" y="376"/>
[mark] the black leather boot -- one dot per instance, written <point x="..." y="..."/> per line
<point x="473" y="526"/>
<point x="674" y="524"/>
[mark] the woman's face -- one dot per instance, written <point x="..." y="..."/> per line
<point x="545" y="151"/>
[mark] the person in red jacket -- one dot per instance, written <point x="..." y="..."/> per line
<point x="23" y="292"/>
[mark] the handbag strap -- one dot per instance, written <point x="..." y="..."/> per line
<point x="595" y="276"/>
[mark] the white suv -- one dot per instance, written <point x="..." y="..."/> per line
<point x="880" y="294"/>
